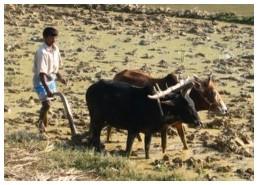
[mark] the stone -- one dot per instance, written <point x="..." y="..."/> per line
<point x="166" y="157"/>
<point x="7" y="109"/>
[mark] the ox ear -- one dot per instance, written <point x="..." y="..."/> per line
<point x="209" y="81"/>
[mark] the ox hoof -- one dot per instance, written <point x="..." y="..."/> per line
<point x="77" y="139"/>
<point x="100" y="147"/>
<point x="43" y="136"/>
<point x="108" y="141"/>
<point x="185" y="148"/>
<point x="124" y="153"/>
<point x="147" y="156"/>
<point x="133" y="153"/>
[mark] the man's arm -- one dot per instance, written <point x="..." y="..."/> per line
<point x="43" y="79"/>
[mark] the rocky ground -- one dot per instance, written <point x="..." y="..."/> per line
<point x="97" y="44"/>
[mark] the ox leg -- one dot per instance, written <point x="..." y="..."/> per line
<point x="108" y="134"/>
<point x="129" y="143"/>
<point x="95" y="131"/>
<point x="164" y="139"/>
<point x="147" y="141"/>
<point x="181" y="133"/>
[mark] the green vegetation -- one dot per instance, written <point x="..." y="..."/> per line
<point x="48" y="157"/>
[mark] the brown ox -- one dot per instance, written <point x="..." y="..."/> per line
<point x="204" y="95"/>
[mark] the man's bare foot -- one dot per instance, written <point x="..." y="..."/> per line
<point x="41" y="127"/>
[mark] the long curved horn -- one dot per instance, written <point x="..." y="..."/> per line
<point x="196" y="77"/>
<point x="157" y="86"/>
<point x="188" y="98"/>
<point x="68" y="112"/>
<point x="178" y="86"/>
<point x="197" y="81"/>
<point x="210" y="76"/>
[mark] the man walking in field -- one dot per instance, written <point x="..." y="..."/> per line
<point x="46" y="65"/>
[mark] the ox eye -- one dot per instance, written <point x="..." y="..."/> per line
<point x="212" y="96"/>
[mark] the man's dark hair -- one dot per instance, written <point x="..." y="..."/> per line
<point x="50" y="31"/>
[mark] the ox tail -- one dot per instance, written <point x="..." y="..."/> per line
<point x="68" y="113"/>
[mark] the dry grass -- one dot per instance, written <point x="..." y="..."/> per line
<point x="29" y="157"/>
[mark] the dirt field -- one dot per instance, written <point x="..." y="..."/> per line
<point x="97" y="45"/>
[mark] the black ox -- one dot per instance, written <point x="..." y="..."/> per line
<point x="128" y="107"/>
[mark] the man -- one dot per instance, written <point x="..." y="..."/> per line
<point x="46" y="64"/>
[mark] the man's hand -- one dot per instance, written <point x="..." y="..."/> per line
<point x="61" y="79"/>
<point x="49" y="94"/>
<point x="43" y="79"/>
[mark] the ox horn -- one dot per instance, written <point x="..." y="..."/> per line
<point x="178" y="86"/>
<point x="210" y="76"/>
<point x="196" y="77"/>
<point x="197" y="81"/>
<point x="186" y="94"/>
